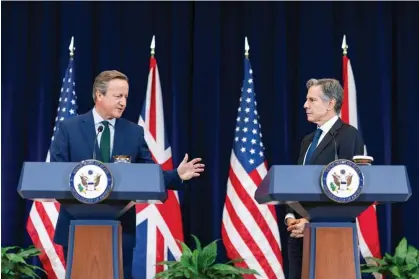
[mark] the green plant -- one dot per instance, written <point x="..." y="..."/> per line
<point x="13" y="262"/>
<point x="200" y="264"/>
<point x="404" y="264"/>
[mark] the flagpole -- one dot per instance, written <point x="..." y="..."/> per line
<point x="344" y="46"/>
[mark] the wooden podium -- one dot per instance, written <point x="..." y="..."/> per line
<point x="330" y="244"/>
<point x="95" y="239"/>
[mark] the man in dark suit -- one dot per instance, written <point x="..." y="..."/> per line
<point x="323" y="104"/>
<point x="75" y="142"/>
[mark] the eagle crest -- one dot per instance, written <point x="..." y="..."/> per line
<point x="342" y="179"/>
<point x="90" y="186"/>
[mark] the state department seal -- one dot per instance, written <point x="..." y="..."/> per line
<point x="342" y="181"/>
<point x="91" y="182"/>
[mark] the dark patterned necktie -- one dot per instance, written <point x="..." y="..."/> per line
<point x="105" y="142"/>
<point x="313" y="145"/>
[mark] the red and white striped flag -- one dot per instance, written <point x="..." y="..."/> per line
<point x="367" y="225"/>
<point x="249" y="229"/>
<point x="43" y="215"/>
<point x="158" y="225"/>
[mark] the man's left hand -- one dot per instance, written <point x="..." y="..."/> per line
<point x="297" y="229"/>
<point x="188" y="170"/>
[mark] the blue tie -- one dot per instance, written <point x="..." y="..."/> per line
<point x="313" y="145"/>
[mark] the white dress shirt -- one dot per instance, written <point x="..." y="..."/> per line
<point x="325" y="128"/>
<point x="97" y="120"/>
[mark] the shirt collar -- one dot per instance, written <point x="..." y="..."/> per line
<point x="329" y="124"/>
<point x="98" y="119"/>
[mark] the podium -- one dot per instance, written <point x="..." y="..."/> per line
<point x="330" y="244"/>
<point x="95" y="241"/>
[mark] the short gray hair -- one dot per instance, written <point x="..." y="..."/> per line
<point x="101" y="81"/>
<point x="331" y="89"/>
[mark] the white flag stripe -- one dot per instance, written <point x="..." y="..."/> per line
<point x="52" y="212"/>
<point x="250" y="188"/>
<point x="249" y="222"/>
<point x="160" y="131"/>
<point x="353" y="115"/>
<point x="262" y="170"/>
<point x="152" y="213"/>
<point x="146" y="124"/>
<point x="47" y="245"/>
<point x="157" y="149"/>
<point x="151" y="252"/>
<point x="241" y="247"/>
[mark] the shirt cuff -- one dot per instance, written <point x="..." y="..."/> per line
<point x="289" y="215"/>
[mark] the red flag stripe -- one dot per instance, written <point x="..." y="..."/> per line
<point x="369" y="228"/>
<point x="232" y="252"/>
<point x="257" y="179"/>
<point x="345" y="105"/>
<point x="50" y="228"/>
<point x="43" y="257"/>
<point x="255" y="212"/>
<point x="152" y="117"/>
<point x="160" y="250"/>
<point x="248" y="239"/>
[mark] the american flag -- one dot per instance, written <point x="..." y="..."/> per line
<point x="249" y="229"/>
<point x="158" y="225"/>
<point x="367" y="225"/>
<point x="43" y="215"/>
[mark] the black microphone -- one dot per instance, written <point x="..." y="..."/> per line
<point x="99" y="130"/>
<point x="333" y="133"/>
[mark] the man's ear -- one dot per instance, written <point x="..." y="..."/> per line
<point x="332" y="104"/>
<point x="99" y="95"/>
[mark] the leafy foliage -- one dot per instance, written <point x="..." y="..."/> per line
<point x="200" y="264"/>
<point x="13" y="262"/>
<point x="404" y="264"/>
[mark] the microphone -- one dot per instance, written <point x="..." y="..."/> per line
<point x="99" y="130"/>
<point x="333" y="133"/>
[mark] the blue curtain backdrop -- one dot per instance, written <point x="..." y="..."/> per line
<point x="200" y="47"/>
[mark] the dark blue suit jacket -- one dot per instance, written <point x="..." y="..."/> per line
<point x="74" y="142"/>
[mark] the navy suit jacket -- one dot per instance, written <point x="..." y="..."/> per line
<point x="74" y="142"/>
<point x="348" y="144"/>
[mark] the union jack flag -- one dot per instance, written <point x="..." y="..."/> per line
<point x="43" y="215"/>
<point x="367" y="225"/>
<point x="249" y="229"/>
<point x="158" y="225"/>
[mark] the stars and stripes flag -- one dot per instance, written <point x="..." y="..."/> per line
<point x="158" y="225"/>
<point x="367" y="225"/>
<point x="249" y="229"/>
<point x="43" y="215"/>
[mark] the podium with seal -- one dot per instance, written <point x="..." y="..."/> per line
<point x="97" y="195"/>
<point x="331" y="197"/>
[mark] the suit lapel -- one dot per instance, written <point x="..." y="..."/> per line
<point x="305" y="145"/>
<point x="88" y="130"/>
<point x="325" y="141"/>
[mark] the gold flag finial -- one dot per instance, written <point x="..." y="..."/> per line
<point x="71" y="47"/>
<point x="153" y="46"/>
<point x="246" y="47"/>
<point x="344" y="45"/>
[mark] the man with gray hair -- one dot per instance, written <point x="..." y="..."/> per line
<point x="332" y="139"/>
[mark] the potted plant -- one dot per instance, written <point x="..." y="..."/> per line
<point x="13" y="262"/>
<point x="200" y="264"/>
<point x="404" y="264"/>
